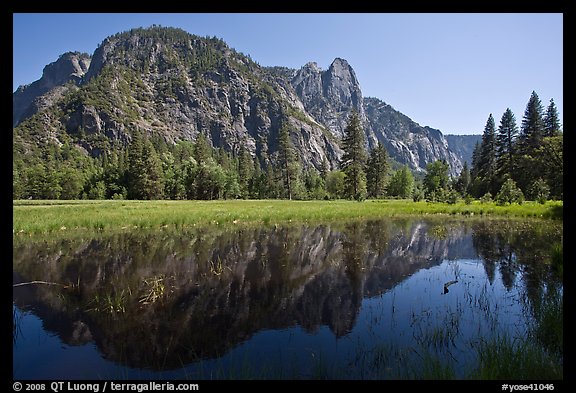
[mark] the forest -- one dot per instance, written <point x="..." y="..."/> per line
<point x="511" y="164"/>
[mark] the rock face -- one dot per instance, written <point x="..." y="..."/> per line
<point x="463" y="146"/>
<point x="406" y="140"/>
<point x="29" y="99"/>
<point x="174" y="85"/>
<point x="329" y="96"/>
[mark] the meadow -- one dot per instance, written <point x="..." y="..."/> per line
<point x="48" y="216"/>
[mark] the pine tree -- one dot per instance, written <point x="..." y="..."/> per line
<point x="202" y="149"/>
<point x="288" y="161"/>
<point x="552" y="120"/>
<point x="245" y="171"/>
<point x="532" y="130"/>
<point x="551" y="157"/>
<point x="154" y="179"/>
<point x="376" y="171"/>
<point x="528" y="144"/>
<point x="475" y="161"/>
<point x="487" y="162"/>
<point x="463" y="182"/>
<point x="145" y="174"/>
<point x="324" y="168"/>
<point x="354" y="158"/>
<point x="506" y="145"/>
<point x="136" y="167"/>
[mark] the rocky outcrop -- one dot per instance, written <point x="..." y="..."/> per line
<point x="330" y="96"/>
<point x="57" y="78"/>
<point x="463" y="146"/>
<point x="406" y="141"/>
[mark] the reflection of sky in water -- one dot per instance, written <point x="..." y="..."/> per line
<point x="401" y="317"/>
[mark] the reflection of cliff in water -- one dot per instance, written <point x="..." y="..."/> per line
<point x="216" y="288"/>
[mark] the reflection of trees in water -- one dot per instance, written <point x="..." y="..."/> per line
<point x="222" y="286"/>
<point x="515" y="245"/>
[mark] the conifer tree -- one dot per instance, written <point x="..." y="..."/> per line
<point x="487" y="162"/>
<point x="376" y="171"/>
<point x="463" y="182"/>
<point x="506" y="145"/>
<point x="354" y="158"/>
<point x="532" y="130"/>
<point x="288" y="161"/>
<point x="552" y="120"/>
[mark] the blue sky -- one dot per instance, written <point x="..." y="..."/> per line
<point x="446" y="71"/>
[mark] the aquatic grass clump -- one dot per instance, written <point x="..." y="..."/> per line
<point x="548" y="327"/>
<point x="155" y="289"/>
<point x="504" y="358"/>
<point x="557" y="259"/>
<point x="112" y="302"/>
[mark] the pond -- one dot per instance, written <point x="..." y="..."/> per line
<point x="397" y="298"/>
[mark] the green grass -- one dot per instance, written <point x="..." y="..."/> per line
<point x="503" y="358"/>
<point x="52" y="216"/>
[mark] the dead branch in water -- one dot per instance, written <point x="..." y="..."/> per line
<point x="40" y="282"/>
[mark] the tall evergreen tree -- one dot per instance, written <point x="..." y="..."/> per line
<point x="551" y="120"/>
<point x="145" y="173"/>
<point x="288" y="161"/>
<point x="463" y="182"/>
<point x="487" y="162"/>
<point x="529" y="142"/>
<point x="136" y="167"/>
<point x="506" y="145"/>
<point x="551" y="160"/>
<point x="324" y="168"/>
<point x="376" y="171"/>
<point x="245" y="171"/>
<point x="354" y="158"/>
<point x="202" y="149"/>
<point x="154" y="179"/>
<point x="475" y="160"/>
<point x="532" y="130"/>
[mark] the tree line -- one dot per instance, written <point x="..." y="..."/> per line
<point x="528" y="162"/>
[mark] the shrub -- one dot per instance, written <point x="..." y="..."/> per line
<point x="539" y="191"/>
<point x="451" y="196"/>
<point x="417" y="194"/>
<point x="509" y="193"/>
<point x="486" y="198"/>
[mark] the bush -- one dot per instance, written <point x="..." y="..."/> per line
<point x="417" y="194"/>
<point x="468" y="199"/>
<point x="539" y="191"/>
<point x="486" y="198"/>
<point x="451" y="197"/>
<point x="509" y="193"/>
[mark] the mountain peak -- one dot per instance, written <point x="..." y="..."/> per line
<point x="29" y="99"/>
<point x="340" y="62"/>
<point x="313" y="66"/>
<point x="340" y="68"/>
<point x="69" y="66"/>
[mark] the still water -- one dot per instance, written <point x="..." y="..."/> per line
<point x="371" y="299"/>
